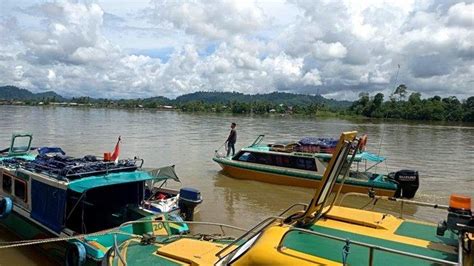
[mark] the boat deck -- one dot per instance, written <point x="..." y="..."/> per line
<point x="332" y="249"/>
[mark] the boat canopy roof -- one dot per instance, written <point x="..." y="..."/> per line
<point x="87" y="183"/>
<point x="359" y="157"/>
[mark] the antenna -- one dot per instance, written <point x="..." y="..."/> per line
<point x="383" y="130"/>
<point x="396" y="78"/>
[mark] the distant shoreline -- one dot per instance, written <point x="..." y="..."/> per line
<point x="322" y="114"/>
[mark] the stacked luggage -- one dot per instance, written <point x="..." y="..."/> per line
<point x="317" y="145"/>
<point x="307" y="145"/>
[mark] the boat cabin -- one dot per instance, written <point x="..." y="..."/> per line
<point x="73" y="195"/>
<point x="287" y="160"/>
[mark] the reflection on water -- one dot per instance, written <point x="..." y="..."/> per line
<point x="443" y="154"/>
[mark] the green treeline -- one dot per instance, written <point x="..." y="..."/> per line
<point x="414" y="107"/>
<point x="260" y="107"/>
<point x="397" y="106"/>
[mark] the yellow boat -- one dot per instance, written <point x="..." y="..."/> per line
<point x="278" y="164"/>
<point x="321" y="234"/>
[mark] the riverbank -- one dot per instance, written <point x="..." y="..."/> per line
<point x="321" y="114"/>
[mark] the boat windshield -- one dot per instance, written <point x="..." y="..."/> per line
<point x="20" y="144"/>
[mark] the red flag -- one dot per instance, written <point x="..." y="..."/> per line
<point x="116" y="152"/>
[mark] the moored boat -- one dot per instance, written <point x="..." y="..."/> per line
<point x="323" y="234"/>
<point x="303" y="165"/>
<point x="76" y="204"/>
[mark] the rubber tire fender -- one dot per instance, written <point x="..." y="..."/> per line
<point x="6" y="207"/>
<point x="76" y="254"/>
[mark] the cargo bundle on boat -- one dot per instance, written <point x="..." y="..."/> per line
<point x="54" y="195"/>
<point x="323" y="233"/>
<point x="303" y="164"/>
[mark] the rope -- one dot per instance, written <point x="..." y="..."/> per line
<point x="22" y="243"/>
<point x="346" y="252"/>
<point x="115" y="230"/>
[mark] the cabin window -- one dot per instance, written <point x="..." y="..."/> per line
<point x="20" y="189"/>
<point x="310" y="164"/>
<point x="7" y="183"/>
<point x="300" y="163"/>
<point x="278" y="160"/>
<point x="247" y="157"/>
<point x="281" y="160"/>
<point x="262" y="158"/>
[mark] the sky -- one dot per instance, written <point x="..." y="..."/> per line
<point x="146" y="48"/>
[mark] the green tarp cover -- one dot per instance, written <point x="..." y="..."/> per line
<point x="371" y="157"/>
<point x="359" y="157"/>
<point x="90" y="182"/>
<point x="28" y="157"/>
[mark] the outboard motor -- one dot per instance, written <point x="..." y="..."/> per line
<point x="189" y="198"/>
<point x="408" y="183"/>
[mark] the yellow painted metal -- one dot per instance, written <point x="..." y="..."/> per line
<point x="98" y="246"/>
<point x="265" y="252"/>
<point x="374" y="224"/>
<point x="330" y="175"/>
<point x="191" y="251"/>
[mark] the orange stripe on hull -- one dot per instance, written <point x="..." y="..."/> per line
<point x="242" y="173"/>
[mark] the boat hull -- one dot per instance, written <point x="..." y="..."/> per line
<point x="276" y="177"/>
<point x="28" y="230"/>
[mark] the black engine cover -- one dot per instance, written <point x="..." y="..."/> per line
<point x="408" y="183"/>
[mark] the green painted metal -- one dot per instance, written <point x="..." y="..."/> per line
<point x="376" y="183"/>
<point x="23" y="176"/>
<point x="26" y="229"/>
<point x="332" y="249"/>
<point x="324" y="156"/>
<point x="138" y="254"/>
<point x="20" y="150"/>
<point x="425" y="232"/>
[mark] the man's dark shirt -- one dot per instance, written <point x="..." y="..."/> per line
<point x="232" y="136"/>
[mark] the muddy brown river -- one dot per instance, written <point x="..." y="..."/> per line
<point x="442" y="153"/>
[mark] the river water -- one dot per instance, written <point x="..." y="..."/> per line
<point x="443" y="154"/>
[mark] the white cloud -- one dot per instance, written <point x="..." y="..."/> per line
<point x="461" y="15"/>
<point x="106" y="48"/>
<point x="325" y="51"/>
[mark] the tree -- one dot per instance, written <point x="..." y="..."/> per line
<point x="468" y="107"/>
<point x="401" y="91"/>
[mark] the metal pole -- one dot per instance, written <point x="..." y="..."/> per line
<point x="371" y="256"/>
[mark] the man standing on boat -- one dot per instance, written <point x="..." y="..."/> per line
<point x="232" y="139"/>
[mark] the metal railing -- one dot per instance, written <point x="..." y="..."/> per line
<point x="254" y="230"/>
<point x="371" y="247"/>
<point x="304" y="205"/>
<point x="393" y="199"/>
<point x="116" y="246"/>
<point x="261" y="225"/>
<point x="220" y="225"/>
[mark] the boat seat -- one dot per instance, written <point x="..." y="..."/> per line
<point x="191" y="251"/>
